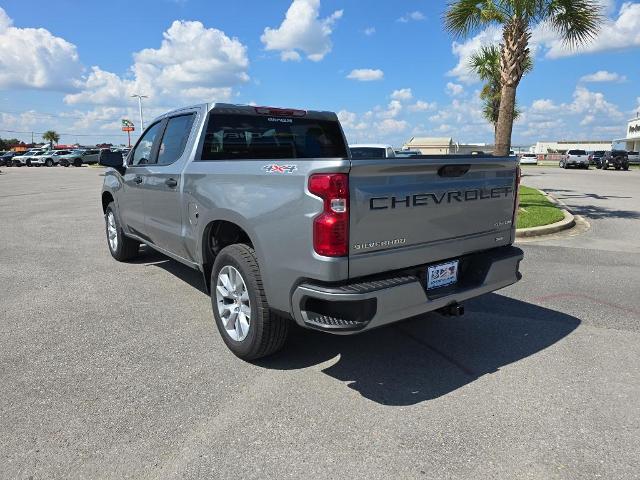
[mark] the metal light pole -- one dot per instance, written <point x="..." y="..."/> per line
<point x="140" y="97"/>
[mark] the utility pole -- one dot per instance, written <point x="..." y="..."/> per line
<point x="140" y="97"/>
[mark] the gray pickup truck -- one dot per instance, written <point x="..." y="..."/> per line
<point x="285" y="226"/>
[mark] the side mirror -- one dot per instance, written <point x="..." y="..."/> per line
<point x="113" y="160"/>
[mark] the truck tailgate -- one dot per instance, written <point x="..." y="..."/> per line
<point x="423" y="210"/>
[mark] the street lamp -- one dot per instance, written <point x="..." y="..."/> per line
<point x="140" y="97"/>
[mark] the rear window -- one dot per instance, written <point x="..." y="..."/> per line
<point x="367" y="152"/>
<point x="238" y="137"/>
<point x="577" y="152"/>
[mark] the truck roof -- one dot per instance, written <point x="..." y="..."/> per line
<point x="241" y="109"/>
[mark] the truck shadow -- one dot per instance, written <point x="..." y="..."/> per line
<point x="429" y="356"/>
<point x="417" y="360"/>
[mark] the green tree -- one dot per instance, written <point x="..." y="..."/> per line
<point x="51" y="136"/>
<point x="486" y="63"/>
<point x="575" y="21"/>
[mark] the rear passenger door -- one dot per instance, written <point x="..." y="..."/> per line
<point x="162" y="189"/>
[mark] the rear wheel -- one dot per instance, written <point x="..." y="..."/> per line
<point x="625" y="167"/>
<point x="77" y="162"/>
<point x="247" y="325"/>
<point x="122" y="248"/>
<point x="49" y="162"/>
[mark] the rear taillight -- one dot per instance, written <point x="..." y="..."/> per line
<point x="331" y="227"/>
<point x="516" y="201"/>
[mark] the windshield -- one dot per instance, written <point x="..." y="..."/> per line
<point x="577" y="152"/>
<point x="367" y="152"/>
<point x="237" y="137"/>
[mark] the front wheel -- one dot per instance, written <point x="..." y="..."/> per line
<point x="49" y="162"/>
<point x="122" y="248"/>
<point x="77" y="162"/>
<point x="247" y="325"/>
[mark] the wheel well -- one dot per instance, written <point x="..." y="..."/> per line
<point x="217" y="235"/>
<point x="107" y="198"/>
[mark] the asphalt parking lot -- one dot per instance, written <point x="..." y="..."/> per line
<point x="113" y="370"/>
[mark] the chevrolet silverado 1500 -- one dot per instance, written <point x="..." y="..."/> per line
<point x="286" y="227"/>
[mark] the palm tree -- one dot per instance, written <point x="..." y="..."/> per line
<point x="575" y="21"/>
<point x="51" y="136"/>
<point x="486" y="63"/>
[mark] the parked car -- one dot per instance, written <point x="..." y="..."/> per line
<point x="80" y="157"/>
<point x="634" y="158"/>
<point x="575" y="158"/>
<point x="594" y="156"/>
<point x="50" y="158"/>
<point x="372" y="150"/>
<point x="6" y="160"/>
<point x="528" y="159"/>
<point x="285" y="226"/>
<point x="617" y="159"/>
<point x="24" y="159"/>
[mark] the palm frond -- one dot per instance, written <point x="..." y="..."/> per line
<point x="464" y="17"/>
<point x="576" y="21"/>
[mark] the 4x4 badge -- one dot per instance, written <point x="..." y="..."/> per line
<point x="275" y="168"/>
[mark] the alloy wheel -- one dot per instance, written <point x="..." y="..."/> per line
<point x="234" y="305"/>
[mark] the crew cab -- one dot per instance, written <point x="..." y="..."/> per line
<point x="575" y="158"/>
<point x="286" y="226"/>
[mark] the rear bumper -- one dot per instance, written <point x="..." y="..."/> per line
<point x="370" y="303"/>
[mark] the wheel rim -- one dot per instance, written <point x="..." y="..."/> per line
<point x="112" y="231"/>
<point x="234" y="305"/>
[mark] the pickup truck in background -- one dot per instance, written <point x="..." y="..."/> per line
<point x="286" y="226"/>
<point x="575" y="158"/>
<point x="371" y="150"/>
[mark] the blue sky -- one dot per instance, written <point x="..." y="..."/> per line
<point x="388" y="68"/>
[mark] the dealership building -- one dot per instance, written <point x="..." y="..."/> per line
<point x="632" y="140"/>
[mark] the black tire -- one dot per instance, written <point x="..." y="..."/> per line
<point x="29" y="163"/>
<point x="127" y="248"/>
<point x="48" y="162"/>
<point x="65" y="163"/>
<point x="625" y="168"/>
<point x="267" y="330"/>
<point x="605" y="165"/>
<point x="77" y="162"/>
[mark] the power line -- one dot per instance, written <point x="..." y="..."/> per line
<point x="68" y="134"/>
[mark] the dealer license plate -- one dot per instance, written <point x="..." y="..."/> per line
<point x="442" y="275"/>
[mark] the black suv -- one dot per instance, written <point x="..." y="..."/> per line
<point x="615" y="158"/>
<point x="595" y="157"/>
<point x="6" y="159"/>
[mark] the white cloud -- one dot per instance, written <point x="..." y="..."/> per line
<point x="391" y="125"/>
<point x="369" y="31"/>
<point x="454" y="89"/>
<point x="544" y="106"/>
<point x="34" y="58"/>
<point x="193" y="64"/>
<point x="393" y="110"/>
<point x="415" y="16"/>
<point x="603" y="76"/>
<point x="464" y="50"/>
<point x="366" y="74"/>
<point x="422" y="106"/>
<point x="302" y="30"/>
<point x="404" y="94"/>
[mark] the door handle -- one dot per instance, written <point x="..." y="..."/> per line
<point x="138" y="180"/>
<point x="171" y="182"/>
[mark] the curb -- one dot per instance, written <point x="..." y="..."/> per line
<point x="566" y="223"/>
